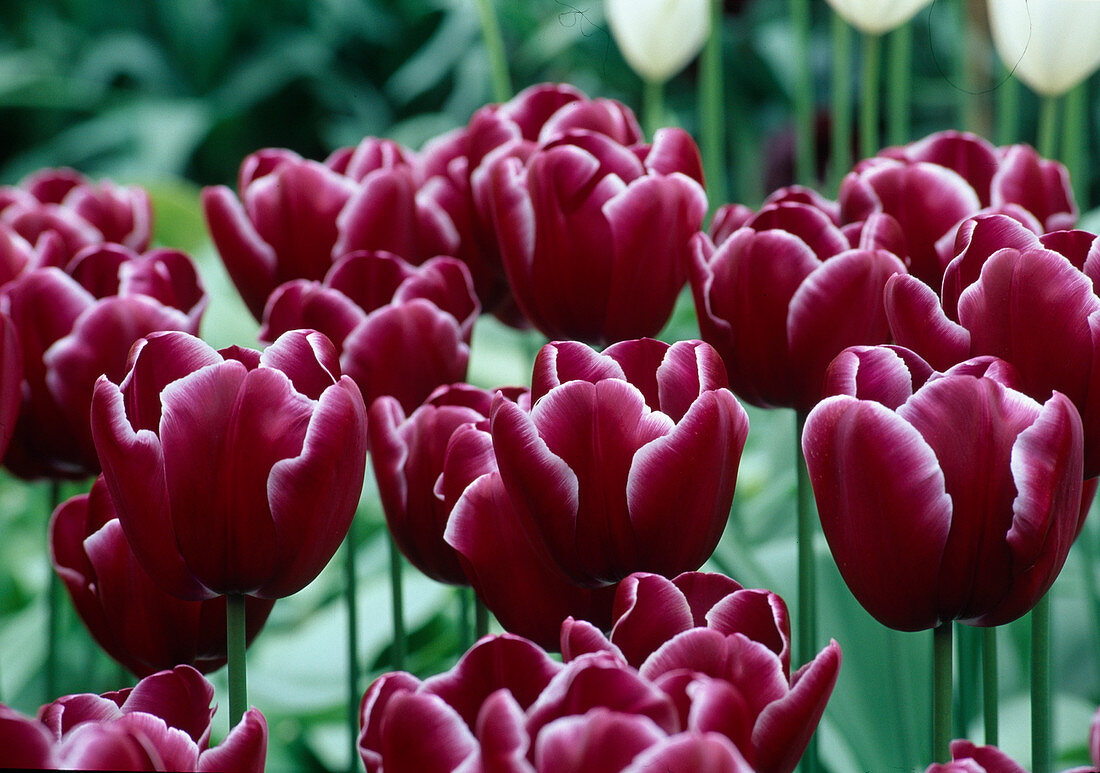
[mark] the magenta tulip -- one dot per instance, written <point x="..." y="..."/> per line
<point x="594" y="234"/>
<point x="922" y="532"/>
<point x="401" y="330"/>
<point x="137" y="623"/>
<point x="78" y="324"/>
<point x="233" y="471"/>
<point x="627" y="460"/>
<point x="785" y="293"/>
<point x="163" y="723"/>
<point x="967" y="757"/>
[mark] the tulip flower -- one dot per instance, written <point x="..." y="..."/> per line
<point x="1051" y="45"/>
<point x="234" y="472"/>
<point x="627" y="460"/>
<point x="876" y="17"/>
<point x="78" y="323"/>
<point x="138" y="624"/>
<point x="967" y="757"/>
<point x="401" y="330"/>
<point x="658" y="38"/>
<point x="408" y="456"/>
<point x="1020" y="297"/>
<point x="921" y="532"/>
<point x="163" y="723"/>
<point x="595" y="235"/>
<point x="783" y="294"/>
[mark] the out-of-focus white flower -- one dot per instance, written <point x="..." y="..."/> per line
<point x="659" y="37"/>
<point x="877" y="16"/>
<point x="1051" y="45"/>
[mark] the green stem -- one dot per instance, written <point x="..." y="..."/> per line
<point x="1087" y="547"/>
<point x="869" y="92"/>
<point x="1075" y="142"/>
<point x="968" y="644"/>
<point x="841" y="91"/>
<point x="1042" y="749"/>
<point x="807" y="575"/>
<point x="353" y="645"/>
<point x="235" y="648"/>
<point x="1047" y="137"/>
<point x="53" y="604"/>
<point x="653" y="106"/>
<point x="899" y="85"/>
<point x="481" y="617"/>
<point x="803" y="94"/>
<point x="494" y="46"/>
<point x="712" y="124"/>
<point x="990" y="697"/>
<point x="1008" y="110"/>
<point x="941" y="693"/>
<point x="397" y="595"/>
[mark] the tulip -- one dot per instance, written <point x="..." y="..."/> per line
<point x="77" y="324"/>
<point x="967" y="757"/>
<point x="408" y="456"/>
<point x="234" y="472"/>
<point x="615" y="443"/>
<point x="1051" y="45"/>
<point x="921" y="532"/>
<point x="138" y="624"/>
<point x="658" y="38"/>
<point x="401" y="330"/>
<point x="875" y="17"/>
<point x="783" y="294"/>
<point x="595" y="235"/>
<point x="163" y="723"/>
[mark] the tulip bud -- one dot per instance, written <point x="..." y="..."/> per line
<point x="1051" y="45"/>
<point x="876" y="17"/>
<point x="657" y="37"/>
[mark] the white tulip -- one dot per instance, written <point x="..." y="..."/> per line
<point x="875" y="17"/>
<point x="1051" y="45"/>
<point x="659" y="37"/>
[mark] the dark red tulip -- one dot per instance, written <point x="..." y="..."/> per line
<point x="782" y="295"/>
<point x="1024" y="298"/>
<point x="627" y="460"/>
<point x="401" y="330"/>
<point x="967" y="757"/>
<point x="697" y="752"/>
<point x="77" y="324"/>
<point x="595" y="234"/>
<point x="233" y="471"/>
<point x="163" y="723"/>
<point x="978" y="541"/>
<point x="537" y="114"/>
<point x="137" y="623"/>
<point x="408" y="454"/>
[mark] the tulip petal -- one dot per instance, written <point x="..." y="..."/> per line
<point x="597" y="740"/>
<point x="699" y="753"/>
<point x="758" y="614"/>
<point x="24" y="742"/>
<point x="649" y="610"/>
<point x="181" y="697"/>
<point x="308" y="359"/>
<point x="562" y="361"/>
<point x="917" y="322"/>
<point x="250" y="261"/>
<point x="688" y="369"/>
<point x="301" y="303"/>
<point x="422" y="734"/>
<point x="502" y="737"/>
<point x="885" y="374"/>
<point x="580" y="637"/>
<point x="978" y="239"/>
<point x="703" y="590"/>
<point x="718" y="707"/>
<point x="244" y="750"/>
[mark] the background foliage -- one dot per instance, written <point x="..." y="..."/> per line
<point x="172" y="94"/>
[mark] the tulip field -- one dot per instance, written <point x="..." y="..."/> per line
<point x="547" y="387"/>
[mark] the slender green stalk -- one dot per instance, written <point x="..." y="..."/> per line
<point x="970" y="68"/>
<point x="841" y="92"/>
<point x="494" y="46"/>
<point x="1086" y="545"/>
<point x="712" y="123"/>
<point x="53" y="604"/>
<point x="941" y="693"/>
<point x="235" y="648"/>
<point x="990" y="696"/>
<point x="869" y="93"/>
<point x="1008" y="111"/>
<point x="653" y="106"/>
<point x="353" y="645"/>
<point x="899" y="84"/>
<point x="397" y="595"/>
<point x="803" y="94"/>
<point x="1047" y="137"/>
<point x="481" y="617"/>
<point x="968" y="645"/>
<point x="1042" y="747"/>
<point x="807" y="575"/>
<point x="1075" y="123"/>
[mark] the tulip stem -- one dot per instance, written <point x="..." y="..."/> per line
<point x="481" y="617"/>
<point x="53" y="603"/>
<point x="494" y="46"/>
<point x="900" y="84"/>
<point x="807" y="575"/>
<point x="1042" y="751"/>
<point x="397" y="595"/>
<point x="1008" y="111"/>
<point x="969" y="652"/>
<point x="1075" y="123"/>
<point x="941" y="692"/>
<point x="1047" y="136"/>
<point x="841" y="88"/>
<point x="803" y="93"/>
<point x="235" y="648"/>
<point x="353" y="646"/>
<point x="990" y="697"/>
<point x="868" y="103"/>
<point x="712" y="123"/>
<point x="653" y="106"/>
